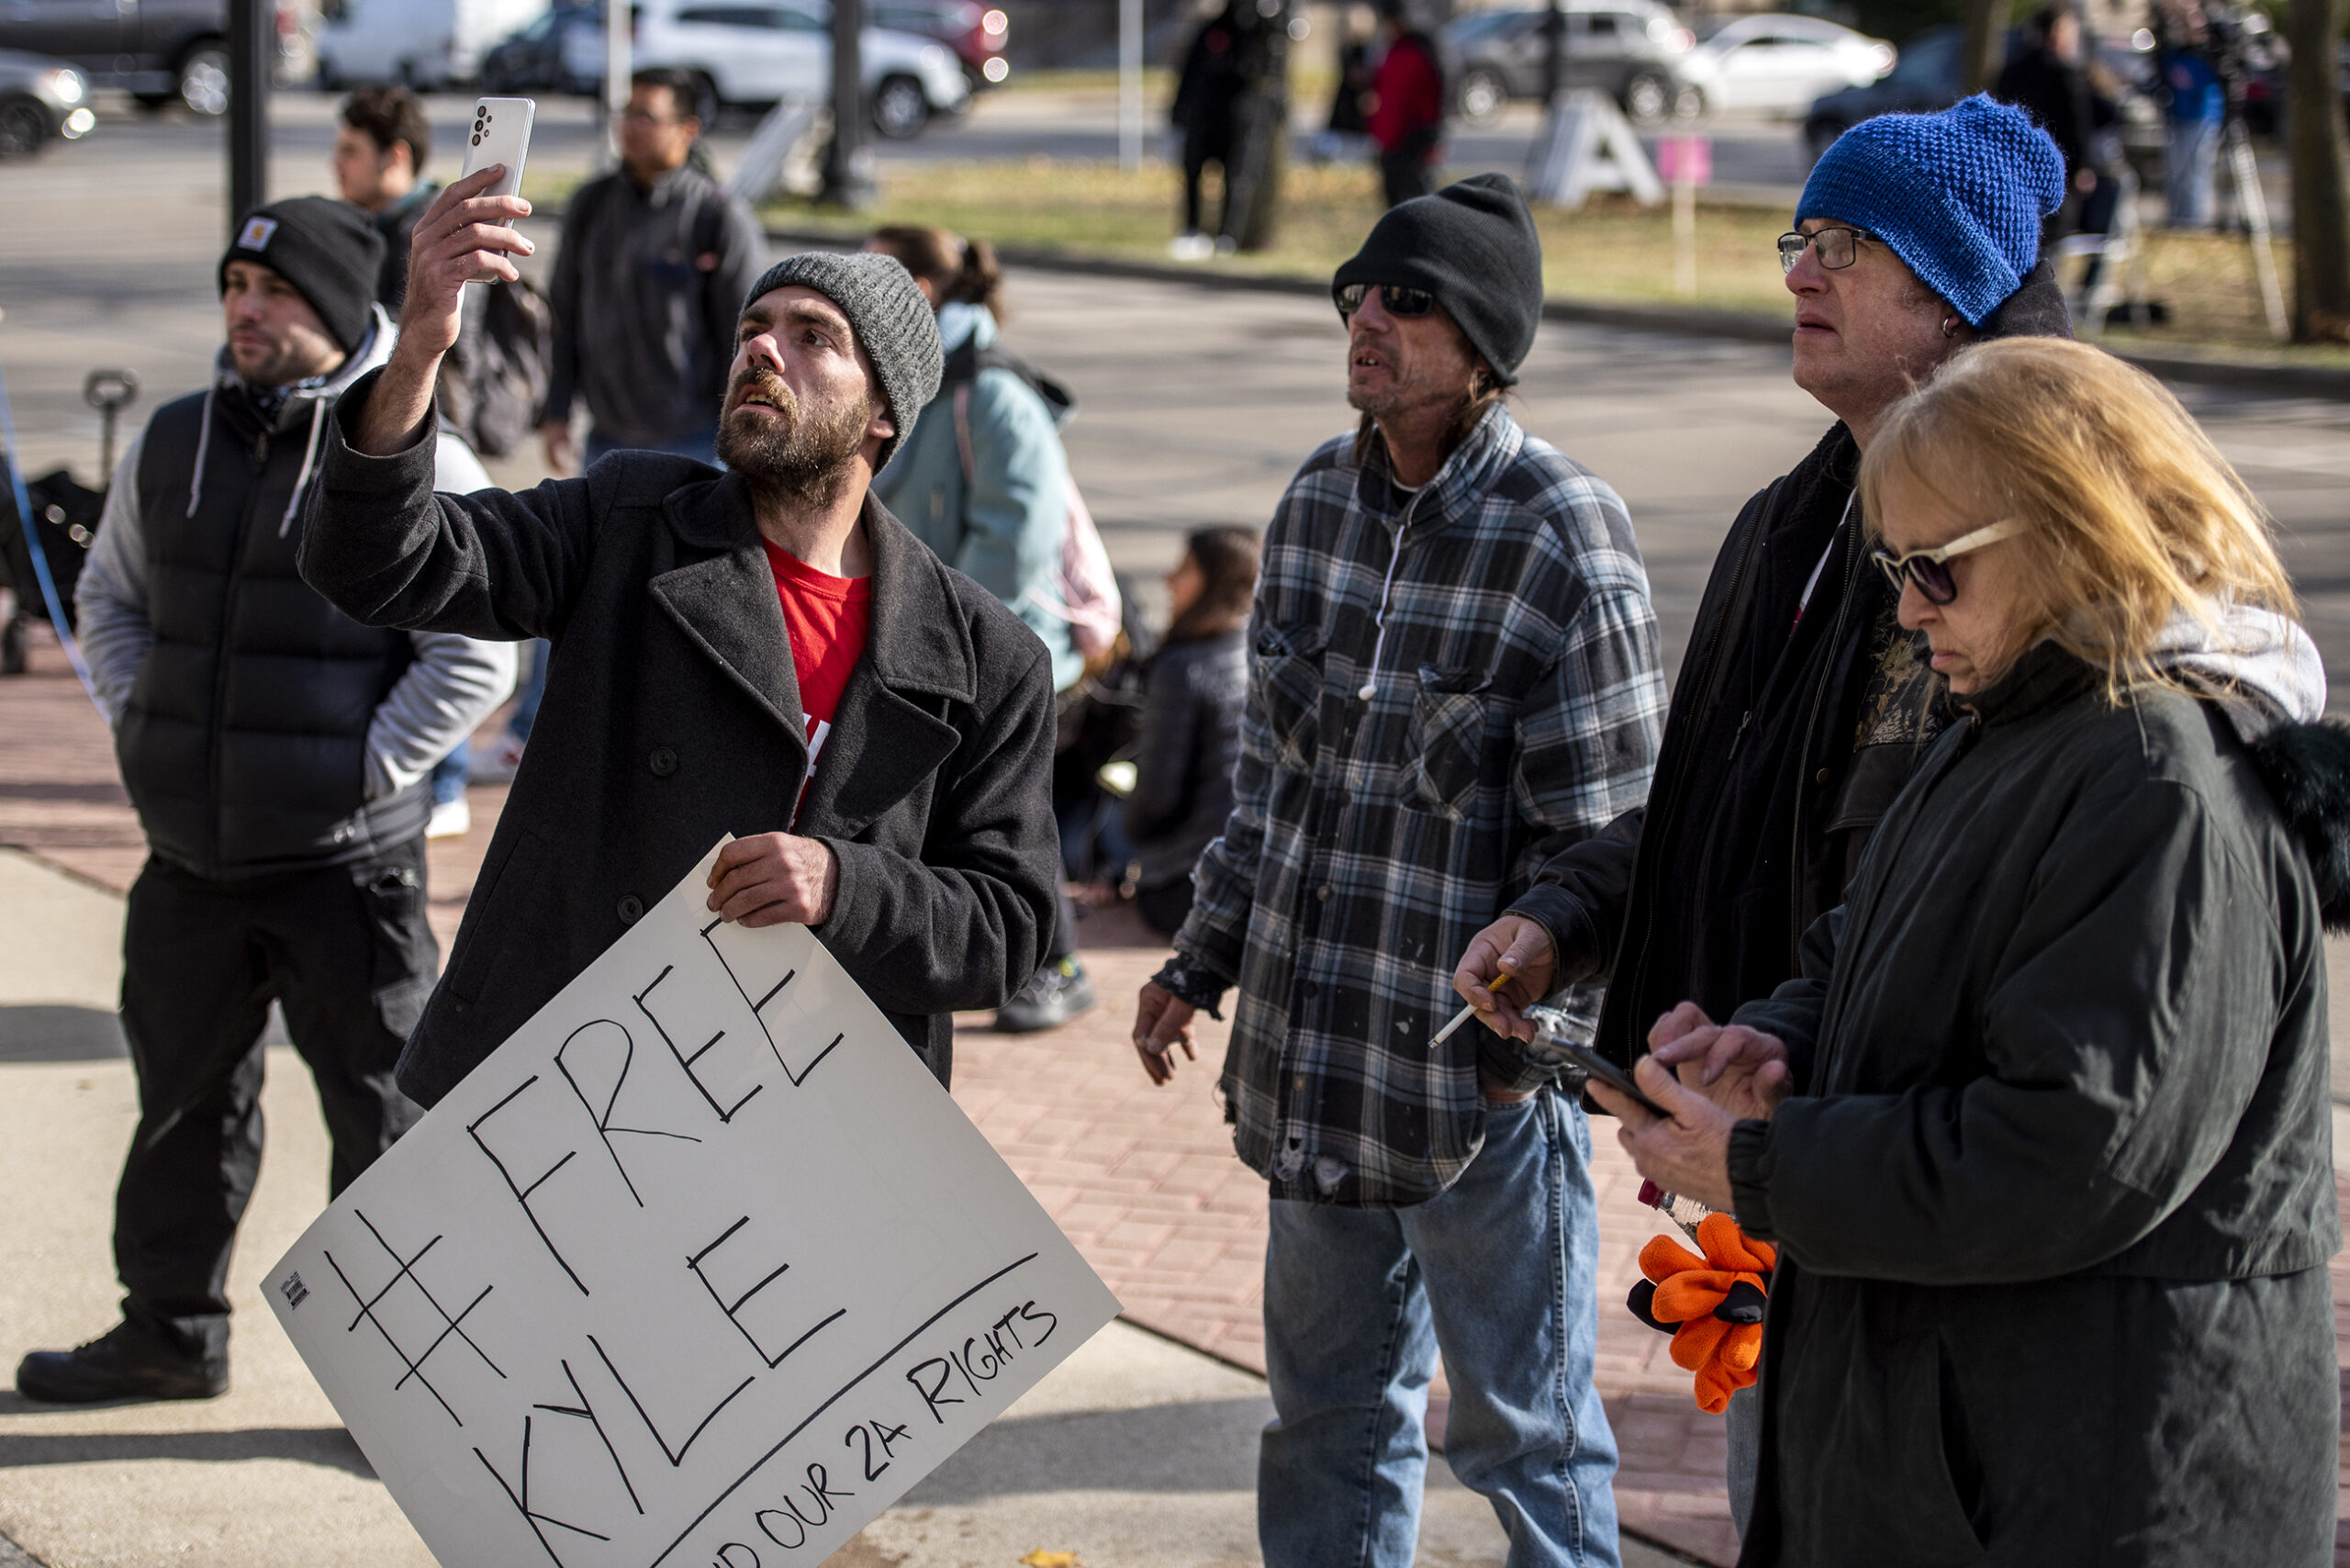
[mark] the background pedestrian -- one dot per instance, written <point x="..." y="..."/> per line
<point x="654" y="261"/>
<point x="1206" y="93"/>
<point x="2195" y="109"/>
<point x="1408" y="108"/>
<point x="985" y="483"/>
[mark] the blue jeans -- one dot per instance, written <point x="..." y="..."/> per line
<point x="702" y="446"/>
<point x="1500" y="1271"/>
<point x="2191" y="164"/>
<point x="448" y="774"/>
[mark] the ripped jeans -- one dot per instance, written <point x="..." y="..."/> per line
<point x="1499" y="1271"/>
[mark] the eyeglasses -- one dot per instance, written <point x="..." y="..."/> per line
<point x="645" y="116"/>
<point x="1930" y="569"/>
<point x="1399" y="298"/>
<point x="1839" y="246"/>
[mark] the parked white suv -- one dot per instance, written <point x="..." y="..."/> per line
<point x="755" y="52"/>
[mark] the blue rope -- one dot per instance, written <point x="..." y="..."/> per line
<point x="40" y="556"/>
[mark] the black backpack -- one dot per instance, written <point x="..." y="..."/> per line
<point x="495" y="386"/>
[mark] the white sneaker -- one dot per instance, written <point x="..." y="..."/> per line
<point x="451" y="819"/>
<point x="1191" y="247"/>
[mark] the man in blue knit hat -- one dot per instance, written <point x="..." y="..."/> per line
<point x="1803" y="704"/>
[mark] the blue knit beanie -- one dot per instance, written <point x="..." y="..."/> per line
<point x="1959" y="195"/>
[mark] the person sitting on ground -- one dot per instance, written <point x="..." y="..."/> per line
<point x="2041" y="1132"/>
<point x="985" y="483"/>
<point x="1191" y="721"/>
<point x="765" y="653"/>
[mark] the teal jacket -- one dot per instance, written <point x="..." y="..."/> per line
<point x="1005" y="529"/>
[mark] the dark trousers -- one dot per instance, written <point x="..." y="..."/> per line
<point x="1405" y="173"/>
<point x="1198" y="153"/>
<point x="347" y="954"/>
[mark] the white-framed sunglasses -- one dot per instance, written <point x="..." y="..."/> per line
<point x="1930" y="569"/>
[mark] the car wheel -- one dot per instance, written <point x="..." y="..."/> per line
<point x="1484" y="93"/>
<point x="23" y="128"/>
<point x="204" y="79"/>
<point x="1688" y="104"/>
<point x="1819" y="135"/>
<point x="900" y="108"/>
<point x="1648" y="98"/>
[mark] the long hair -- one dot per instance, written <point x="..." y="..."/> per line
<point x="959" y="271"/>
<point x="1227" y="560"/>
<point x="2132" y="515"/>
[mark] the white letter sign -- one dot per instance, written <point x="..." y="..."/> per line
<point x="701" y="1268"/>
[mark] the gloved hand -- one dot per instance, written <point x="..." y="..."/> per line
<point x="1711" y="1306"/>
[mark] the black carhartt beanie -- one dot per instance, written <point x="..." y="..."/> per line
<point x="328" y="250"/>
<point x="1472" y="245"/>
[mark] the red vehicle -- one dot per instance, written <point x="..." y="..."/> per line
<point x="976" y="32"/>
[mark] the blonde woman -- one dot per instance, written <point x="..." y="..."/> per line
<point x="2042" y="1132"/>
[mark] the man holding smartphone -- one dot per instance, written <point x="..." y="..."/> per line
<point x="766" y="652"/>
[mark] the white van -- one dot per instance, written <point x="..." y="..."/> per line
<point x="421" y="43"/>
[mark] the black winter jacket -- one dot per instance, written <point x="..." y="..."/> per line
<point x="672" y="715"/>
<point x="2056" y="1193"/>
<point x="1190" y="739"/>
<point x="243" y="741"/>
<point x="1794" y="724"/>
<point x="648" y="285"/>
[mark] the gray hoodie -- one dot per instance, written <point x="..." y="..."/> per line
<point x="456" y="682"/>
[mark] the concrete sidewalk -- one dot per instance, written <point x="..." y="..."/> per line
<point x="1138" y="1451"/>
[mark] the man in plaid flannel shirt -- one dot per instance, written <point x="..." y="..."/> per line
<point x="1453" y="676"/>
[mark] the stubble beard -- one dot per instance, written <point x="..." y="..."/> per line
<point x="801" y="457"/>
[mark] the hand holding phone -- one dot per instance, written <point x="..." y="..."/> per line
<point x="501" y="134"/>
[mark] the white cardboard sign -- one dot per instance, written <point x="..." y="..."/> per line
<point x="701" y="1269"/>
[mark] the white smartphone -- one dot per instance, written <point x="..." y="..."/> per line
<point x="501" y="134"/>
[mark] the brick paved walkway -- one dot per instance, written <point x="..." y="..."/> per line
<point x="1142" y="1179"/>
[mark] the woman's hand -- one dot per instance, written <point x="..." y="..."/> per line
<point x="1685" y="1151"/>
<point x="1743" y="1071"/>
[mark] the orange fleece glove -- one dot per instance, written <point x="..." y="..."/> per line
<point x="1711" y="1306"/>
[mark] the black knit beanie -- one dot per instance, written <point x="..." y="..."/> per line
<point x="328" y="250"/>
<point x="1472" y="245"/>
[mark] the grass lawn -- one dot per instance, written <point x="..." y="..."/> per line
<point x="1613" y="250"/>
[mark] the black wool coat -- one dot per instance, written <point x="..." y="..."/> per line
<point x="2055" y="1196"/>
<point x="672" y="716"/>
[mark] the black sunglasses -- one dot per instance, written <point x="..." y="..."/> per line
<point x="1930" y="569"/>
<point x="1399" y="298"/>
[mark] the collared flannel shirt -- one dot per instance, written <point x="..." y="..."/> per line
<point x="1446" y="688"/>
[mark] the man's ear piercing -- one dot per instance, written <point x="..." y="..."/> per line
<point x="1949" y="326"/>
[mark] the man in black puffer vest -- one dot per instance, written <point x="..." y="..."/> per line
<point x="276" y="750"/>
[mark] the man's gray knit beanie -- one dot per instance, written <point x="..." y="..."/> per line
<point x="894" y="325"/>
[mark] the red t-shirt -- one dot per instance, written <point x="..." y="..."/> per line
<point x="826" y="617"/>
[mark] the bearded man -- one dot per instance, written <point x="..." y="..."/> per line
<point x="766" y="653"/>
